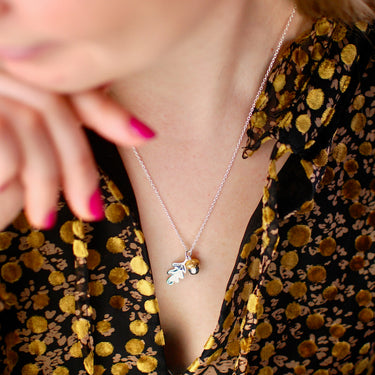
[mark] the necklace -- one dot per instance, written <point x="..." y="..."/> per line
<point x="179" y="269"/>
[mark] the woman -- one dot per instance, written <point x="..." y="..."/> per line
<point x="80" y="297"/>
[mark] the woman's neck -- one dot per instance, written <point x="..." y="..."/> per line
<point x="206" y="83"/>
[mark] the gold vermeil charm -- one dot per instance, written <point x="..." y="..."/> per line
<point x="192" y="266"/>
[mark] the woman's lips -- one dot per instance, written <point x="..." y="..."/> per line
<point x="23" y="53"/>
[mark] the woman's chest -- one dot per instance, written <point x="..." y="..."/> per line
<point x="189" y="310"/>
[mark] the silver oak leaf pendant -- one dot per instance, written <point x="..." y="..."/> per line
<point x="177" y="272"/>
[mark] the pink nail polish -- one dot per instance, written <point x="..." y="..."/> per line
<point x="50" y="220"/>
<point x="96" y="205"/>
<point x="141" y="129"/>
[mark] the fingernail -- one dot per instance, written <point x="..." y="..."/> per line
<point x="141" y="129"/>
<point x="50" y="220"/>
<point x="96" y="206"/>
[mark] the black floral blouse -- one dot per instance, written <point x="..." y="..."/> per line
<point x="80" y="299"/>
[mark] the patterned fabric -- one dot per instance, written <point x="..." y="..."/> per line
<point x="80" y="299"/>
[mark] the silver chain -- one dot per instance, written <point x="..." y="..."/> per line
<point x="188" y="251"/>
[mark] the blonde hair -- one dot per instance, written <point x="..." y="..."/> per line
<point x="346" y="10"/>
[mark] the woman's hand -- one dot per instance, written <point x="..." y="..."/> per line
<point x="43" y="147"/>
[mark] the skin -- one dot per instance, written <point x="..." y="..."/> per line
<point x="85" y="50"/>
<point x="135" y="33"/>
<point x="187" y="68"/>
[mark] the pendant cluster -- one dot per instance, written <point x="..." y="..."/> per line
<point x="179" y="269"/>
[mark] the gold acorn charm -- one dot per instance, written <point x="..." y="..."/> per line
<point x="192" y="266"/>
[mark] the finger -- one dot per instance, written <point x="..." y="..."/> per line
<point x="40" y="169"/>
<point x="11" y="88"/>
<point x="94" y="108"/>
<point x="11" y="202"/>
<point x="78" y="170"/>
<point x="9" y="153"/>
<point x="109" y="119"/>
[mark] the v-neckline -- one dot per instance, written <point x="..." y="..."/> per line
<point x="255" y="222"/>
<point x="110" y="161"/>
